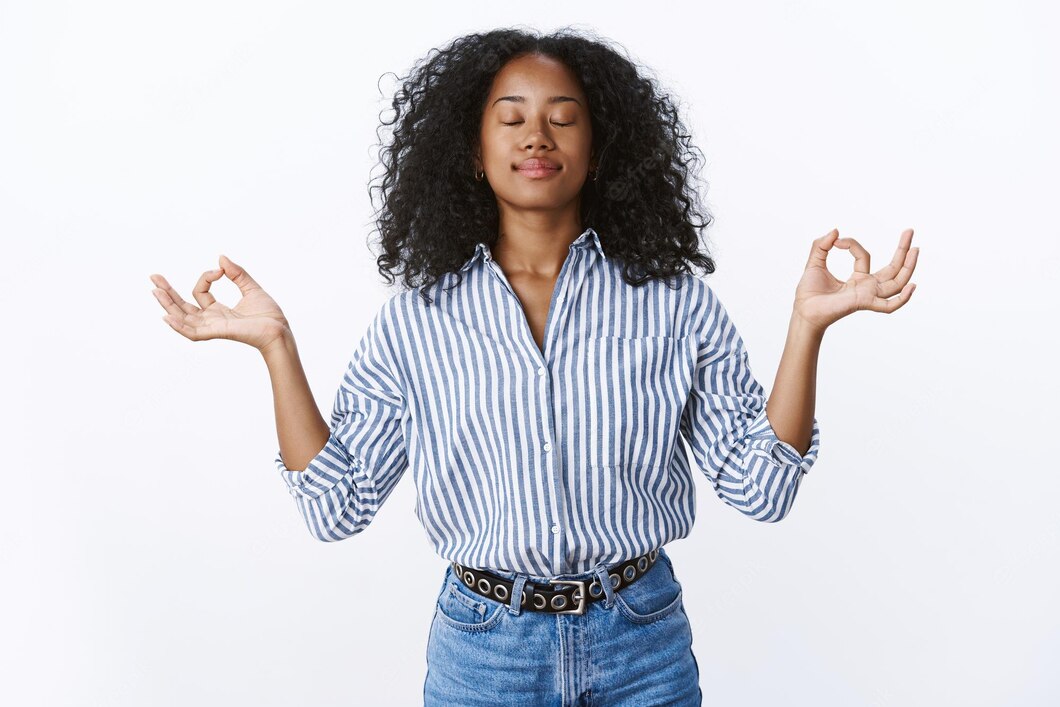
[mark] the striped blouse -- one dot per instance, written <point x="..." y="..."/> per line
<point x="548" y="460"/>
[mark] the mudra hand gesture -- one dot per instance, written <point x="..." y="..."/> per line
<point x="821" y="298"/>
<point x="255" y="320"/>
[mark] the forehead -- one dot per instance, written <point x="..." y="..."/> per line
<point x="534" y="77"/>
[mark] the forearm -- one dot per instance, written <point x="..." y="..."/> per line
<point x="301" y="429"/>
<point x="792" y="400"/>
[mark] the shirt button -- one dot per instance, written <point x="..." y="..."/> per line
<point x="555" y="530"/>
<point x="541" y="371"/>
<point x="548" y="446"/>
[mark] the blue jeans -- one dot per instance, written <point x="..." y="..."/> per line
<point x="632" y="647"/>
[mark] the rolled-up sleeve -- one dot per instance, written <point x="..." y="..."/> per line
<point x="343" y="487"/>
<point x="726" y="426"/>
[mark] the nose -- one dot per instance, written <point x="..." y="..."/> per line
<point x="538" y="138"/>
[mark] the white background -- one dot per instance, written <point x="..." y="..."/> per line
<point x="151" y="552"/>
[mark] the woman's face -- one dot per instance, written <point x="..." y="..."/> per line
<point x="536" y="111"/>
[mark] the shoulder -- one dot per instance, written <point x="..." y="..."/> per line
<point x="395" y="309"/>
<point x="700" y="301"/>
<point x="709" y="319"/>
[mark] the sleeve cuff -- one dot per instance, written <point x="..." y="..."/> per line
<point x="323" y="472"/>
<point x="764" y="442"/>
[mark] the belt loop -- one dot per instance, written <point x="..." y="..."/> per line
<point x="605" y="582"/>
<point x="516" y="600"/>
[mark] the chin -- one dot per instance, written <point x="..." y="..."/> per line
<point x="536" y="198"/>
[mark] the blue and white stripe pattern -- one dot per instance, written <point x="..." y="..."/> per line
<point x="548" y="462"/>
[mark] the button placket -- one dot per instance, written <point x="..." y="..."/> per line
<point x="557" y="316"/>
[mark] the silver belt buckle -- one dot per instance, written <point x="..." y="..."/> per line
<point x="582" y="602"/>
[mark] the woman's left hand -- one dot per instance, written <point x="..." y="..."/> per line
<point x="821" y="298"/>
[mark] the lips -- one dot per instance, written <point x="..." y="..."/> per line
<point x="538" y="168"/>
<point x="535" y="164"/>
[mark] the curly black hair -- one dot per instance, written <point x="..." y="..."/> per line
<point x="644" y="203"/>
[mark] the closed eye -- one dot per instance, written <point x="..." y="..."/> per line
<point x="562" y="125"/>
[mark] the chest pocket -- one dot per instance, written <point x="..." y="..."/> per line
<point x="634" y="407"/>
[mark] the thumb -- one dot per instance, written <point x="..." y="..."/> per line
<point x="228" y="267"/>
<point x="238" y="275"/>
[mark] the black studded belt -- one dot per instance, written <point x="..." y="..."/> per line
<point x="542" y="597"/>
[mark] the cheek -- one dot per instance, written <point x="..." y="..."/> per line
<point x="494" y="148"/>
<point x="579" y="143"/>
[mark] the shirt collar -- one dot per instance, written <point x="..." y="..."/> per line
<point x="588" y="238"/>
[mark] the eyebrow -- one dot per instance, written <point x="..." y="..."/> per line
<point x="522" y="99"/>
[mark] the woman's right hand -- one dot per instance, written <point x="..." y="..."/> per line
<point x="256" y="319"/>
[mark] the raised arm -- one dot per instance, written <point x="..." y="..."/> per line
<point x="339" y="474"/>
<point x="754" y="459"/>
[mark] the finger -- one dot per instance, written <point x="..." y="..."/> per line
<point x="888" y="271"/>
<point x="879" y="304"/>
<point x="238" y="275"/>
<point x="861" y="256"/>
<point x="819" y="249"/>
<point x="186" y="325"/>
<point x="890" y="287"/>
<point x="163" y="284"/>
<point x="201" y="291"/>
<point x="171" y="307"/>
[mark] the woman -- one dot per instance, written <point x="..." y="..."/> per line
<point x="551" y="349"/>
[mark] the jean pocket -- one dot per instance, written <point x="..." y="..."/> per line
<point x="463" y="609"/>
<point x="653" y="597"/>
